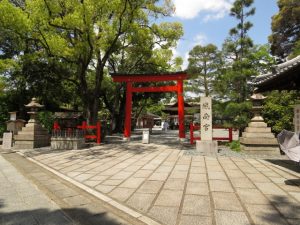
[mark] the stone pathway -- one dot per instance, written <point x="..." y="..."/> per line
<point x="23" y="203"/>
<point x="173" y="188"/>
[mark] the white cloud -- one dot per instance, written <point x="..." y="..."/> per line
<point x="189" y="9"/>
<point x="200" y="39"/>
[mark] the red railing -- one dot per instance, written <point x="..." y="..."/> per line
<point x="195" y="127"/>
<point x="85" y="127"/>
<point x="97" y="127"/>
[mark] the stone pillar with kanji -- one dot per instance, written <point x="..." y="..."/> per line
<point x="206" y="144"/>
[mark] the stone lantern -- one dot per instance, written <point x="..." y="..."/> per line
<point x="257" y="100"/>
<point x="33" y="135"/>
<point x="258" y="138"/>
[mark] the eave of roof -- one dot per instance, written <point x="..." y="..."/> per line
<point x="275" y="79"/>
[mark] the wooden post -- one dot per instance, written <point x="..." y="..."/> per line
<point x="180" y="108"/>
<point x="127" y="129"/>
<point x="191" y="133"/>
<point x="230" y="134"/>
<point x="98" y="132"/>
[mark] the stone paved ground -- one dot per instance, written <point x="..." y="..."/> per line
<point x="174" y="188"/>
<point x="23" y="203"/>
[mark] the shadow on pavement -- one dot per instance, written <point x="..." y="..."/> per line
<point x="291" y="165"/>
<point x="286" y="206"/>
<point x="293" y="182"/>
<point x="56" y="217"/>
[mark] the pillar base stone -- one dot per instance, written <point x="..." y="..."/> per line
<point x="209" y="148"/>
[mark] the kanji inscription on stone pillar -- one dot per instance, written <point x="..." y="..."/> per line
<point x="206" y="118"/>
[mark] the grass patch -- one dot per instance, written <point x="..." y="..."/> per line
<point x="234" y="146"/>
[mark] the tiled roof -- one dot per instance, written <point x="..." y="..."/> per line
<point x="277" y="71"/>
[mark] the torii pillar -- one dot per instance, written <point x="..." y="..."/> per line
<point x="130" y="78"/>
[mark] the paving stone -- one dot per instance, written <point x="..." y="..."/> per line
<point x="141" y="201"/>
<point x="296" y="195"/>
<point x="112" y="182"/>
<point x="179" y="174"/>
<point x="91" y="183"/>
<point x="269" y="189"/>
<point x="121" y="175"/>
<point x="226" y="201"/>
<point x="174" y="184"/>
<point x="214" y="168"/>
<point x="150" y="167"/>
<point x="235" y="174"/>
<point x="98" y="178"/>
<point x="258" y="177"/>
<point x="166" y="215"/>
<point x="196" y="205"/>
<point x="104" y="188"/>
<point x="169" y="198"/>
<point x="231" y="218"/>
<point x="197" y="188"/>
<point x="290" y="211"/>
<point x="220" y="185"/>
<point x="67" y="192"/>
<point x="132" y="168"/>
<point x="164" y="169"/>
<point x="76" y="200"/>
<point x="242" y="182"/>
<point x="293" y="221"/>
<point x="197" y="177"/>
<point x="143" y="173"/>
<point x="197" y="169"/>
<point x="133" y="182"/>
<point x="195" y="220"/>
<point x="121" y="194"/>
<point x="179" y="167"/>
<point x="159" y="176"/>
<point x="251" y="196"/>
<point x="288" y="188"/>
<point x="248" y="169"/>
<point x="150" y="186"/>
<point x="265" y="215"/>
<point x="216" y="175"/>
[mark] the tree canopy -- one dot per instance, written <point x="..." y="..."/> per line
<point x="285" y="37"/>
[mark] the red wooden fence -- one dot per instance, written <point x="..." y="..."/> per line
<point x="84" y="127"/>
<point x="195" y="127"/>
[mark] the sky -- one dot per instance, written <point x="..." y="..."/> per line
<point x="208" y="21"/>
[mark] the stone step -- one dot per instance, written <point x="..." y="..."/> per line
<point x="264" y="150"/>
<point x="257" y="135"/>
<point x="258" y="129"/>
<point x="257" y="124"/>
<point x="258" y="141"/>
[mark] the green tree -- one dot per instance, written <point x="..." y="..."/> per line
<point x="285" y="37"/>
<point x="203" y="64"/>
<point x="278" y="110"/>
<point x="82" y="36"/>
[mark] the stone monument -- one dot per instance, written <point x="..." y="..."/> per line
<point x="296" y="119"/>
<point x="258" y="138"/>
<point x="14" y="125"/>
<point x="206" y="144"/>
<point x="33" y="135"/>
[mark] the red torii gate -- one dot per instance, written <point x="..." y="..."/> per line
<point x="131" y="78"/>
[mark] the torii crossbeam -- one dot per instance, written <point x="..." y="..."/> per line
<point x="135" y="78"/>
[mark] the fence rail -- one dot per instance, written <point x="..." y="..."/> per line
<point x="196" y="127"/>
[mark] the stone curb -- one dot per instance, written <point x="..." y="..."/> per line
<point x="108" y="200"/>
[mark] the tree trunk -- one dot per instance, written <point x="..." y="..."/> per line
<point x="92" y="110"/>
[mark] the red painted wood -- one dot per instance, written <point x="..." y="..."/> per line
<point x="98" y="132"/>
<point x="155" y="89"/>
<point x="149" y="77"/>
<point x="191" y="133"/>
<point x="180" y="109"/>
<point x="193" y="138"/>
<point x="127" y="129"/>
